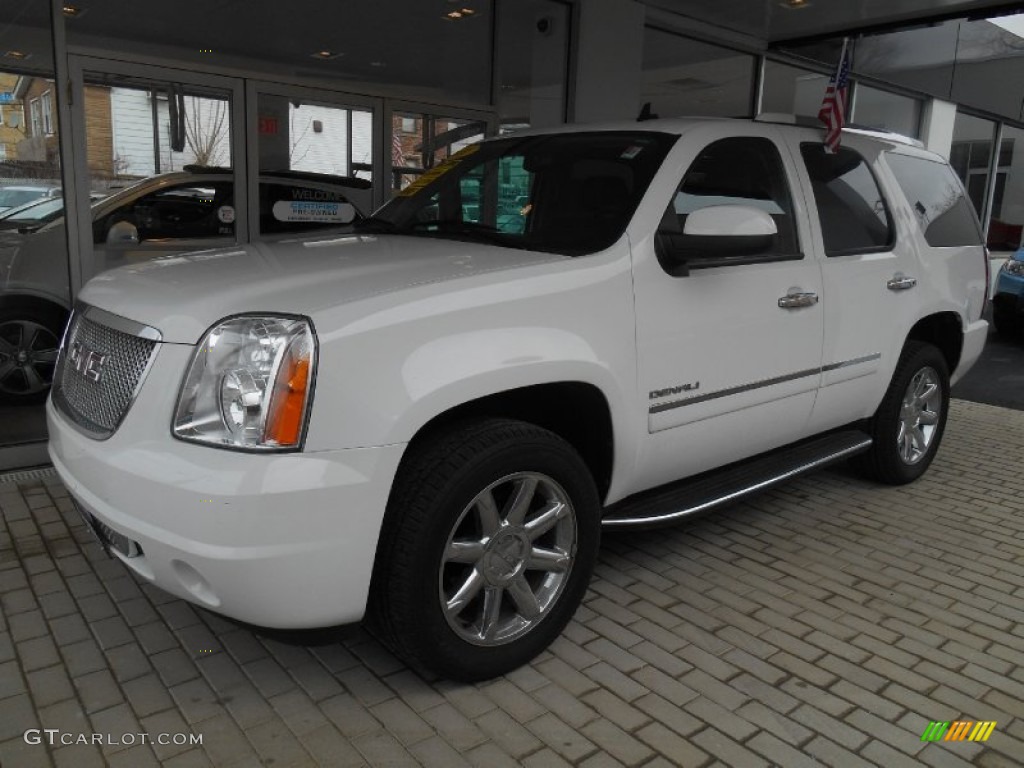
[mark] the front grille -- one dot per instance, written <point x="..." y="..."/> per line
<point x="100" y="371"/>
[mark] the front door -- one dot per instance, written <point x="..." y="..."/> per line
<point x="729" y="355"/>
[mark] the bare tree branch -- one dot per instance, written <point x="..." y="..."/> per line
<point x="205" y="129"/>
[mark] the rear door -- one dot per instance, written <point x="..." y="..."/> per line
<point x="870" y="276"/>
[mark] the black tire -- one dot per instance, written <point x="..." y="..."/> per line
<point x="891" y="460"/>
<point x="1007" y="326"/>
<point x="432" y="512"/>
<point x="29" y="339"/>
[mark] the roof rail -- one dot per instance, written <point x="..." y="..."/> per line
<point x="782" y="118"/>
<point x="882" y="133"/>
<point x="806" y="121"/>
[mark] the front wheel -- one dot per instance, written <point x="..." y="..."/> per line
<point x="488" y="546"/>
<point x="907" y="427"/>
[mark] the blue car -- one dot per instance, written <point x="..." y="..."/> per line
<point x="1008" y="302"/>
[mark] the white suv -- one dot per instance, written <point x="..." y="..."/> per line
<point x="429" y="421"/>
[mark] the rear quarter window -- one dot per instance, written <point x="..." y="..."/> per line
<point x="937" y="198"/>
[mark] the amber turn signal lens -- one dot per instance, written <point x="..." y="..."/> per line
<point x="288" y="403"/>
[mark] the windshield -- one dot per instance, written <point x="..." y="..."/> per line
<point x="9" y="198"/>
<point x="568" y="193"/>
<point x="37" y="211"/>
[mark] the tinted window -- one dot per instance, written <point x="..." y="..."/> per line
<point x="853" y="213"/>
<point x="741" y="171"/>
<point x="938" y="200"/>
<point x="563" y="193"/>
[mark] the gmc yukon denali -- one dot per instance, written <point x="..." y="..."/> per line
<point x="427" y="421"/>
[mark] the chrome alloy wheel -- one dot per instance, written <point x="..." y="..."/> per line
<point x="919" y="415"/>
<point x="507" y="559"/>
<point x="28" y="356"/>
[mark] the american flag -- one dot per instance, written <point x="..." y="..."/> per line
<point x="833" y="107"/>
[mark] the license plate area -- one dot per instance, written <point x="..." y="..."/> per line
<point x="108" y="538"/>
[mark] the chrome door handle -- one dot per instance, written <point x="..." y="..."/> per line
<point x="901" y="282"/>
<point x="798" y="300"/>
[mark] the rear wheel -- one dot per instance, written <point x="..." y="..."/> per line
<point x="29" y="340"/>
<point x="487" y="549"/>
<point x="908" y="426"/>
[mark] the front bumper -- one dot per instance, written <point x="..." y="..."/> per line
<point x="284" y="541"/>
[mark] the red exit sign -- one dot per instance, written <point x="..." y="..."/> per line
<point x="268" y="126"/>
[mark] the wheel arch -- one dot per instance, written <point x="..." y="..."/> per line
<point x="577" y="412"/>
<point x="943" y="330"/>
<point x="32" y="301"/>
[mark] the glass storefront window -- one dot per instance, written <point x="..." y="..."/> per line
<point x="920" y="59"/>
<point x="989" y="71"/>
<point x="970" y="156"/>
<point x="532" y="63"/>
<point x="873" y="108"/>
<point x="315" y="156"/>
<point x="1007" y="222"/>
<point x="682" y="77"/>
<point x="791" y="90"/>
<point x="421" y="141"/>
<point x="34" y="292"/>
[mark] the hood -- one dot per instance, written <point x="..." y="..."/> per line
<point x="183" y="295"/>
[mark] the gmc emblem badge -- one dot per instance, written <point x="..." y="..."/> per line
<point x="86" y="361"/>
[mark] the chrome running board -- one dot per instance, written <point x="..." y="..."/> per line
<point x="671" y="503"/>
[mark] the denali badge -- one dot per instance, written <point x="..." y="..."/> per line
<point x="655" y="394"/>
<point x="86" y="361"/>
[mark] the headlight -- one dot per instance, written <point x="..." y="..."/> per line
<point x="1014" y="267"/>
<point x="249" y="384"/>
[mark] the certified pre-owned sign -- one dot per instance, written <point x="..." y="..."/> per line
<point x="303" y="210"/>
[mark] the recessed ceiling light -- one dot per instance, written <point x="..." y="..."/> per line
<point x="795" y="5"/>
<point x="72" y="10"/>
<point x="377" y="64"/>
<point x="325" y="55"/>
<point x="17" y="55"/>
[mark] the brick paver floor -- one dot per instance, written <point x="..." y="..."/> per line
<point x="823" y="623"/>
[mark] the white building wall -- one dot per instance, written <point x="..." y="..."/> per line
<point x="132" y="122"/>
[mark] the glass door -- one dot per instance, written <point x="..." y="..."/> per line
<point x="315" y="153"/>
<point x="423" y="136"/>
<point x="158" y="160"/>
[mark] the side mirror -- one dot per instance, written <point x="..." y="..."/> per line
<point x="122" y="233"/>
<point x="713" y="236"/>
<point x="730" y="221"/>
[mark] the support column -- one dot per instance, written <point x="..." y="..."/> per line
<point x="937" y="126"/>
<point x="609" y="60"/>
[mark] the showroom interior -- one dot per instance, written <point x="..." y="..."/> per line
<point x="826" y="623"/>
